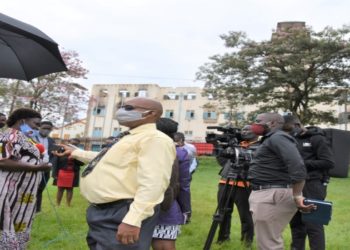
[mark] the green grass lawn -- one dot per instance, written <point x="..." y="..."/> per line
<point x="65" y="228"/>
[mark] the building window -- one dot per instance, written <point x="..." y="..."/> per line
<point x="97" y="132"/>
<point x="190" y="96"/>
<point x="227" y="116"/>
<point x="116" y="131"/>
<point x="190" y="114"/>
<point x="237" y="116"/>
<point x="169" y="114"/>
<point x="171" y="96"/>
<point x="141" y="93"/>
<point x="103" y="92"/>
<point x="95" y="147"/>
<point x="99" y="111"/>
<point x="240" y="116"/>
<point x="188" y="133"/>
<point x="124" y="93"/>
<point x="209" y="115"/>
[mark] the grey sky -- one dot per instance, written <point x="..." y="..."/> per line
<point x="162" y="41"/>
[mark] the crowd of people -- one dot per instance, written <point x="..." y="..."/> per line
<point x="138" y="185"/>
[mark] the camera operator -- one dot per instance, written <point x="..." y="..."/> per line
<point x="240" y="196"/>
<point x="318" y="159"/>
<point x="277" y="174"/>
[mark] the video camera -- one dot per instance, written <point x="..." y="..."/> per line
<point x="230" y="136"/>
<point x="235" y="161"/>
<point x="233" y="158"/>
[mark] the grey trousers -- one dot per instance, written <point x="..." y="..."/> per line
<point x="103" y="226"/>
<point x="272" y="209"/>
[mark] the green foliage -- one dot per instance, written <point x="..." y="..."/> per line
<point x="69" y="231"/>
<point x="294" y="71"/>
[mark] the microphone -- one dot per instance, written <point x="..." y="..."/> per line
<point x="40" y="147"/>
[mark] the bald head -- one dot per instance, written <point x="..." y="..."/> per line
<point x="273" y="120"/>
<point x="147" y="104"/>
<point x="274" y="117"/>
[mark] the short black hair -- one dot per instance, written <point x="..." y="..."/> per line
<point x="290" y="121"/>
<point x="290" y="118"/>
<point x="180" y="135"/>
<point x="22" y="113"/>
<point x="167" y="126"/>
<point x="46" y="123"/>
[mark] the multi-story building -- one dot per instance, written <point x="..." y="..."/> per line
<point x="186" y="105"/>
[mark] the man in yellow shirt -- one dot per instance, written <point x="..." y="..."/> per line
<point x="125" y="183"/>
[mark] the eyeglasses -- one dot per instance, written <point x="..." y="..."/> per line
<point x="131" y="107"/>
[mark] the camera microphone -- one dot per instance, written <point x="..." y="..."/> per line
<point x="213" y="127"/>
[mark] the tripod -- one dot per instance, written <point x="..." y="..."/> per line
<point x="229" y="192"/>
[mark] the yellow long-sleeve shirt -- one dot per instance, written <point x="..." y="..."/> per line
<point x="137" y="167"/>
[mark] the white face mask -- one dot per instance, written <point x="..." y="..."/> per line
<point x="123" y="115"/>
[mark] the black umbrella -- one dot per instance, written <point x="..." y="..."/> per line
<point x="26" y="52"/>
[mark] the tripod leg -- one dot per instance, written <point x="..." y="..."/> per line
<point x="220" y="211"/>
<point x="225" y="224"/>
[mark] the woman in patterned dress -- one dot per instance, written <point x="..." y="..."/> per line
<point x="20" y="176"/>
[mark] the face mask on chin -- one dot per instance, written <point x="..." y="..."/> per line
<point x="44" y="132"/>
<point x="28" y="131"/>
<point x="123" y="115"/>
<point x="259" y="129"/>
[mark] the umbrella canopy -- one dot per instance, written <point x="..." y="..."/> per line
<point x="26" y="52"/>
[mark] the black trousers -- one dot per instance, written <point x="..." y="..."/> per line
<point x="239" y="196"/>
<point x="39" y="196"/>
<point x="315" y="232"/>
<point x="103" y="226"/>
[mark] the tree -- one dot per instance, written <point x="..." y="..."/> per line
<point x="296" y="71"/>
<point x="55" y="96"/>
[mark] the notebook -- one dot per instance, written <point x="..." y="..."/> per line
<point x="322" y="215"/>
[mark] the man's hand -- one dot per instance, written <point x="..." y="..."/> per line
<point x="67" y="150"/>
<point x="299" y="201"/>
<point x="128" y="234"/>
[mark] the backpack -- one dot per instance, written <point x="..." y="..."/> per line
<point x="339" y="142"/>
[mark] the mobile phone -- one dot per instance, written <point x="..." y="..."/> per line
<point x="57" y="148"/>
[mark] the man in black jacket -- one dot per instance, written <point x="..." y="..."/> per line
<point x="277" y="174"/>
<point x="318" y="159"/>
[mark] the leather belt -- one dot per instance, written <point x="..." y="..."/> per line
<point x="261" y="187"/>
